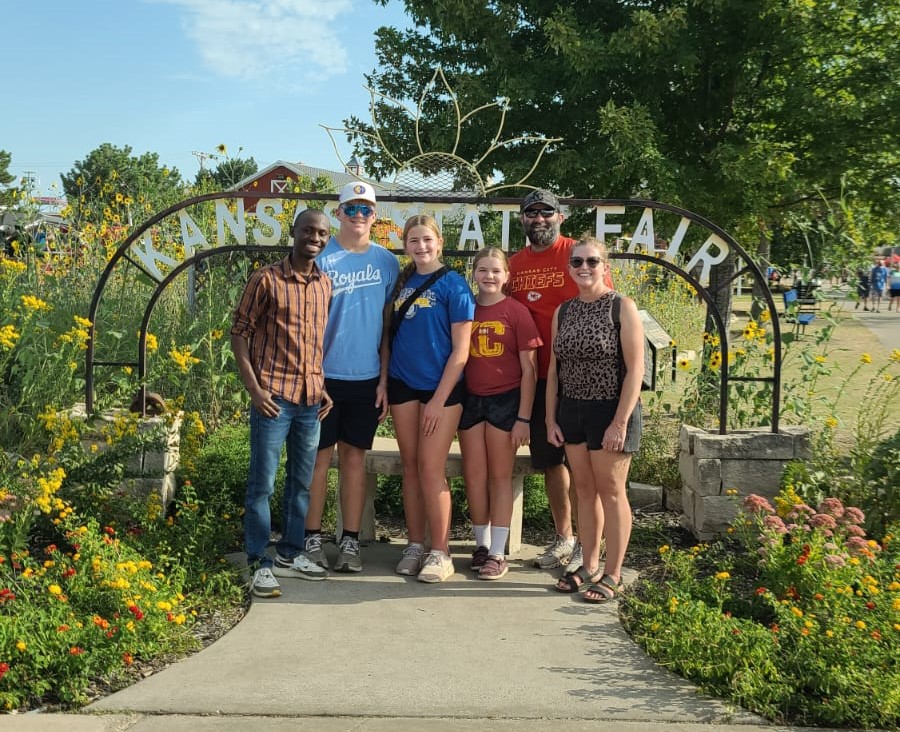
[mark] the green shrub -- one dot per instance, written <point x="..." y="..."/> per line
<point x="879" y="488"/>
<point x="794" y="617"/>
<point x="536" y="507"/>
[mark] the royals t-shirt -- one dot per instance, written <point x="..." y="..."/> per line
<point x="362" y="285"/>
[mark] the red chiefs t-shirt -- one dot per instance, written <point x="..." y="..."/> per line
<point x="499" y="333"/>
<point x="541" y="282"/>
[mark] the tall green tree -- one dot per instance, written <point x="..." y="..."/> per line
<point x="230" y="172"/>
<point x="6" y="191"/>
<point x="110" y="179"/>
<point x="741" y="111"/>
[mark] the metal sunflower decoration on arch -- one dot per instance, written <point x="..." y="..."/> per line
<point x="442" y="171"/>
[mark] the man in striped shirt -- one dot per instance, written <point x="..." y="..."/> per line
<point x="277" y="337"/>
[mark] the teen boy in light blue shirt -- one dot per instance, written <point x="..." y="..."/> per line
<point x="363" y="275"/>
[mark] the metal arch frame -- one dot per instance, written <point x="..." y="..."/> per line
<point x="724" y="379"/>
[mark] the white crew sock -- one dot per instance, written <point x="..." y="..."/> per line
<point x="499" y="535"/>
<point x="482" y="534"/>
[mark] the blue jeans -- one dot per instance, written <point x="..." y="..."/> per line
<point x="298" y="426"/>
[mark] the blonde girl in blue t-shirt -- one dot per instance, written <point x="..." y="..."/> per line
<point x="426" y="391"/>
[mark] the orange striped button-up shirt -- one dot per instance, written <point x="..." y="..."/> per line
<point x="282" y="315"/>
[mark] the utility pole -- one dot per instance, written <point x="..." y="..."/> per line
<point x="202" y="157"/>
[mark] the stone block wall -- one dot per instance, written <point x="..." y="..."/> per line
<point x="745" y="461"/>
<point x="152" y="470"/>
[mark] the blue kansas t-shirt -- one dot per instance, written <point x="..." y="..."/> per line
<point x="424" y="342"/>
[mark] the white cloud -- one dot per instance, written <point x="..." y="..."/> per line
<point x="283" y="41"/>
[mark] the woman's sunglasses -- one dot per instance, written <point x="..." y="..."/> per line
<point x="592" y="262"/>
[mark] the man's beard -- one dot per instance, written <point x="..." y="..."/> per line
<point x="542" y="236"/>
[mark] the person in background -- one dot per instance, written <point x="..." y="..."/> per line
<point x="878" y="284"/>
<point x="894" y="287"/>
<point x="277" y="336"/>
<point x="538" y="278"/>
<point x="862" y="288"/>
<point x="500" y="380"/>
<point x="363" y="275"/>
<point x="593" y="409"/>
<point x="429" y="349"/>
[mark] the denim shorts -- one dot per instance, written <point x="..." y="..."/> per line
<point x="586" y="420"/>
<point x="498" y="410"/>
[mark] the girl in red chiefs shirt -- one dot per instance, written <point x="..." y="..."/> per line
<point x="500" y="379"/>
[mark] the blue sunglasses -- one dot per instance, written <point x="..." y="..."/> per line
<point x="351" y="209"/>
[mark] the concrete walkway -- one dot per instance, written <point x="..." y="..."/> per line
<point x="376" y="652"/>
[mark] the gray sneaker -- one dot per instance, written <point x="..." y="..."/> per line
<point x="411" y="562"/>
<point x="348" y="558"/>
<point x="576" y="560"/>
<point x="313" y="551"/>
<point x="558" y="553"/>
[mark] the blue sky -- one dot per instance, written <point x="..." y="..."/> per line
<point x="178" y="76"/>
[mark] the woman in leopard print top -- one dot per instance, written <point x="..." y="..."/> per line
<point x="593" y="408"/>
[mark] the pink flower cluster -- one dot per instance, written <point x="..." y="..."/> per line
<point x="840" y="525"/>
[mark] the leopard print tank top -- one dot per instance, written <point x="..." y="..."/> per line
<point x="587" y="350"/>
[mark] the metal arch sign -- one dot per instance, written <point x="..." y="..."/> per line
<point x="173" y="240"/>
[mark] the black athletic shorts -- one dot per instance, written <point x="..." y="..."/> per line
<point x="498" y="410"/>
<point x="543" y="454"/>
<point x="585" y="420"/>
<point x="399" y="393"/>
<point x="354" y="417"/>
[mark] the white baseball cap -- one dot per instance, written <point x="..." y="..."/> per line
<point x="357" y="191"/>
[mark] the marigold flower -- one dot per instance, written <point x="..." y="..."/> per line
<point x="76" y="650"/>
<point x="865" y="358"/>
<point x="722" y="575"/>
<point x="860" y="624"/>
<point x="21" y="646"/>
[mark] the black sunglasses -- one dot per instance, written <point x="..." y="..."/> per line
<point x="592" y="262"/>
<point x="544" y="213"/>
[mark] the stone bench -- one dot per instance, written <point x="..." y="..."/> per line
<point x="384" y="459"/>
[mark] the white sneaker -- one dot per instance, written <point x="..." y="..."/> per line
<point x="298" y="567"/>
<point x="437" y="567"/>
<point x="264" y="583"/>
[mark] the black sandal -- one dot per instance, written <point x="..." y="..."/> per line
<point x="607" y="588"/>
<point x="575" y="581"/>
